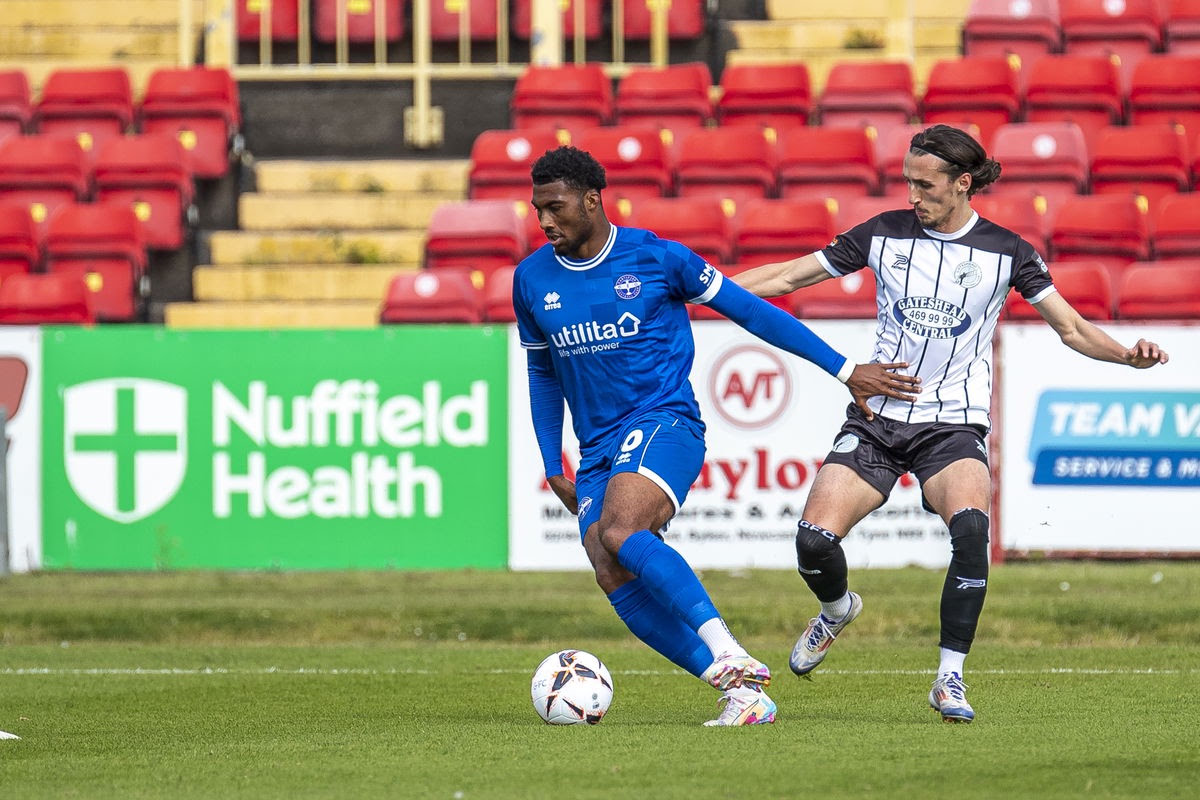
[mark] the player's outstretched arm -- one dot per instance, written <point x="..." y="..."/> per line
<point x="772" y="280"/>
<point x="546" y="406"/>
<point x="1084" y="337"/>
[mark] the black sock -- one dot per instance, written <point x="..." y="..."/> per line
<point x="965" y="588"/>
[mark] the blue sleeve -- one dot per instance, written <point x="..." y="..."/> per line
<point x="775" y="326"/>
<point x="546" y="403"/>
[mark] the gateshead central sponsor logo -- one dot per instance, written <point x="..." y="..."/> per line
<point x="750" y="387"/>
<point x="931" y="317"/>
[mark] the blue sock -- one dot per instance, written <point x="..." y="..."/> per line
<point x="668" y="577"/>
<point x="655" y="625"/>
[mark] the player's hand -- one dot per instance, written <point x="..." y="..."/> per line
<point x="869" y="380"/>
<point x="1145" y="354"/>
<point x="564" y="489"/>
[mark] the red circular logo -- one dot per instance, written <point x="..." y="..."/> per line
<point x="750" y="386"/>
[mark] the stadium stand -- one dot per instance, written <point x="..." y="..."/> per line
<point x="981" y="90"/>
<point x="1166" y="89"/>
<point x="150" y="174"/>
<point x="593" y="18"/>
<point x="1160" y="291"/>
<point x="1047" y="158"/>
<point x="358" y="19"/>
<point x="500" y="161"/>
<point x="1124" y="31"/>
<point x="442" y="296"/>
<point x="637" y="164"/>
<point x="15" y="111"/>
<point x="92" y="105"/>
<point x="734" y="162"/>
<point x="868" y="93"/>
<point x="1181" y="27"/>
<point x="685" y="19"/>
<point x="774" y="95"/>
<point x="1017" y="212"/>
<point x="477" y="234"/>
<point x="567" y="97"/>
<point x="497" y="296"/>
<point x="19" y="246"/>
<point x="102" y="244"/>
<point x="826" y="161"/>
<point x="701" y="223"/>
<point x="42" y="172"/>
<point x="856" y="210"/>
<point x="1084" y="89"/>
<point x="1028" y="29"/>
<point x="672" y="97"/>
<point x="200" y="107"/>
<point x="284" y="22"/>
<point x="1110" y="228"/>
<point x="1086" y="285"/>
<point x="777" y="230"/>
<point x="445" y="20"/>
<point x="45" y="299"/>
<point x="1177" y="227"/>
<point x="1149" y="160"/>
<point x="849" y="297"/>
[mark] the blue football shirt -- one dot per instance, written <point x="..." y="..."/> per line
<point x="616" y="327"/>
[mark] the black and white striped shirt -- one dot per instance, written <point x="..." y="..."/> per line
<point x="939" y="297"/>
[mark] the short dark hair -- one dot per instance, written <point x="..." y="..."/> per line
<point x="961" y="153"/>
<point x="574" y="167"/>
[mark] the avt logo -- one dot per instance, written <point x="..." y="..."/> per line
<point x="750" y="386"/>
<point x="126" y="444"/>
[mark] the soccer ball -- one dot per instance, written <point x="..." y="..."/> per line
<point x="571" y="687"/>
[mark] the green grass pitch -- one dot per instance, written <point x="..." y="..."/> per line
<point x="1084" y="678"/>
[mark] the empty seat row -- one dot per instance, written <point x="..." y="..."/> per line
<point x="1145" y="291"/>
<point x="685" y="19"/>
<point x="148" y="173"/>
<point x="735" y="162"/>
<point x="197" y="106"/>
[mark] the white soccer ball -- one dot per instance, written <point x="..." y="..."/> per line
<point x="571" y="687"/>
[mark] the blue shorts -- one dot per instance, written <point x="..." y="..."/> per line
<point x="666" y="449"/>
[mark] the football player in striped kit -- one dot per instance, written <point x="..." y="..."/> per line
<point x="942" y="273"/>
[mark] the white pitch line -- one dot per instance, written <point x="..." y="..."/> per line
<point x="324" y="671"/>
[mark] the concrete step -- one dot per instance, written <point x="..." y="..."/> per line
<point x="442" y="176"/>
<point x="92" y="13"/>
<point x="819" y="65"/>
<point x="867" y="9"/>
<point x="324" y="210"/>
<point x="276" y="314"/>
<point x="367" y="282"/>
<point x="406" y="248"/>
<point x="97" y="46"/>
<point x="812" y="36"/>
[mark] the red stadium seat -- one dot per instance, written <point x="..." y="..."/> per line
<point x="41" y="173"/>
<point x="284" y="20"/>
<point x="893" y="146"/>
<point x="637" y="164"/>
<point x="1027" y="29"/>
<point x="45" y="299"/>
<point x="734" y="162"/>
<point x="426" y="296"/>
<point x="360" y="16"/>
<point x="1082" y="89"/>
<point x="1047" y="158"/>
<point x="150" y="174"/>
<point x="778" y="230"/>
<point x="826" y="161"/>
<point x="1181" y="26"/>
<point x="478" y="234"/>
<point x="15" y="111"/>
<point x="445" y="20"/>
<point x="562" y="97"/>
<point x="1020" y="213"/>
<point x="703" y="311"/>
<point x="91" y="105"/>
<point x="676" y="96"/>
<point x="857" y="210"/>
<point x="1166" y="89"/>
<point x="1126" y="31"/>
<point x="19" y="251"/>
<point x="774" y="95"/>
<point x="1160" y="291"/>
<point x="593" y="18"/>
<point x="685" y="19"/>
<point x="700" y="223"/>
<point x="1086" y="285"/>
<point x="500" y="161"/>
<point x="1177" y="227"/>
<point x="1109" y="228"/>
<point x="874" y="93"/>
<point x="101" y="243"/>
<point x="199" y="107"/>
<point x="1150" y="160"/>
<point x="848" y="297"/>
<point x="498" y="296"/>
<point x="978" y="89"/>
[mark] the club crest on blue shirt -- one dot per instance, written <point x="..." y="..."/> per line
<point x="628" y="287"/>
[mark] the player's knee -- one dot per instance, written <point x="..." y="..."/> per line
<point x="969" y="530"/>
<point x="815" y="545"/>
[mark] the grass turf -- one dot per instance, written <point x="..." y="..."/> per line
<point x="1084" y="679"/>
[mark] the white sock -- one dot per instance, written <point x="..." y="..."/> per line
<point x="952" y="661"/>
<point x="838" y="609"/>
<point x="715" y="633"/>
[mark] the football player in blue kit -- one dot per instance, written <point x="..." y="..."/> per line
<point x="601" y="311"/>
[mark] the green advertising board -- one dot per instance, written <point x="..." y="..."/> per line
<point x="380" y="448"/>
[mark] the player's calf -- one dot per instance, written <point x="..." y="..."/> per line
<point x="965" y="587"/>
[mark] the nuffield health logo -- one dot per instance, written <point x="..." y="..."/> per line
<point x="126" y="444"/>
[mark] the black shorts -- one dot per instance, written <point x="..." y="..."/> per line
<point x="882" y="450"/>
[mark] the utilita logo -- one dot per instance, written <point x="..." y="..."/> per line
<point x="750" y="387"/>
